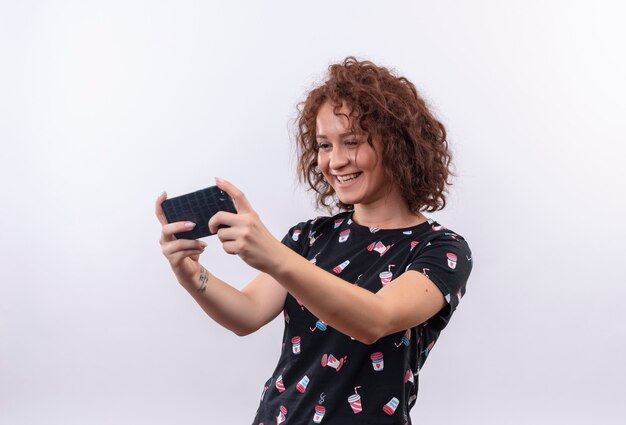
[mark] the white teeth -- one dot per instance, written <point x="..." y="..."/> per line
<point x="348" y="177"/>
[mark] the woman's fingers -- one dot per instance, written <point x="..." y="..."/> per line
<point x="224" y="218"/>
<point x="182" y="245"/>
<point x="169" y="230"/>
<point x="159" y="210"/>
<point x="241" y="202"/>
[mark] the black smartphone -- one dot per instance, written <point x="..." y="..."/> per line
<point x="199" y="207"/>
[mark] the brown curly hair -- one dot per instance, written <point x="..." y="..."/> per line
<point x="415" y="150"/>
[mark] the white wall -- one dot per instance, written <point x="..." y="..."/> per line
<point x="104" y="104"/>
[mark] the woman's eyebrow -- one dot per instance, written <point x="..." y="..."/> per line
<point x="342" y="135"/>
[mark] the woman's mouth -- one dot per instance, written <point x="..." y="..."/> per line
<point x="348" y="177"/>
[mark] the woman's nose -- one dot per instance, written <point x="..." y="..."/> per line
<point x="338" y="158"/>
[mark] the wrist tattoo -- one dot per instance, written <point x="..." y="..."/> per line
<point x="204" y="278"/>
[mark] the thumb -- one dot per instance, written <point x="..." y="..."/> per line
<point x="241" y="202"/>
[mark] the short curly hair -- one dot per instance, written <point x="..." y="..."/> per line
<point x="415" y="153"/>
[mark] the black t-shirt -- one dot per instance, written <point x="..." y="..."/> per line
<point x="324" y="376"/>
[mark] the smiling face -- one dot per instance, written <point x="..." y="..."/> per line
<point x="349" y="164"/>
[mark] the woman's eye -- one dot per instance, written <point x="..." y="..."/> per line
<point x="352" y="143"/>
<point x="323" y="146"/>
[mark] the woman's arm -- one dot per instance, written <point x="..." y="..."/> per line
<point x="242" y="312"/>
<point x="352" y="310"/>
<point x="410" y="300"/>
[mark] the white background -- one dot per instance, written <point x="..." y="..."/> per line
<point x="104" y="104"/>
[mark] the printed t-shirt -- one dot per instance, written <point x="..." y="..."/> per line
<point x="324" y="376"/>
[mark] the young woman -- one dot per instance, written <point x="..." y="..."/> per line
<point x="365" y="293"/>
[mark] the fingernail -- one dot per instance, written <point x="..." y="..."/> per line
<point x="190" y="225"/>
<point x="217" y="179"/>
<point x="203" y="244"/>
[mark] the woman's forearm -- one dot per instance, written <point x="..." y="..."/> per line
<point x="348" y="308"/>
<point x="228" y="306"/>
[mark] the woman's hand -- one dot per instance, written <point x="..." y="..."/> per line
<point x="245" y="236"/>
<point x="182" y="254"/>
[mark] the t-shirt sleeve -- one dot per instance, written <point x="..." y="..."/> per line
<point x="447" y="261"/>
<point x="296" y="237"/>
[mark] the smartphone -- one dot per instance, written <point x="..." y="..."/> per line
<point x="199" y="207"/>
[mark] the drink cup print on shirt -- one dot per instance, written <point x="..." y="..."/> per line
<point x="406" y="339"/>
<point x="295" y="348"/>
<point x="344" y="235"/>
<point x="391" y="406"/>
<point x="296" y="235"/>
<point x="312" y="237"/>
<point x="413" y="245"/>
<point x="436" y="228"/>
<point x="338" y="222"/>
<point x="319" y="325"/>
<point x="451" y="260"/>
<point x="280" y="386"/>
<point x="304" y="382"/>
<point x="386" y="276"/>
<point x="332" y="361"/>
<point x="409" y="377"/>
<point x="314" y="259"/>
<point x="282" y="415"/>
<point x="320" y="411"/>
<point x="379" y="247"/>
<point x="355" y="401"/>
<point x="341" y="266"/>
<point x="429" y="348"/>
<point x="263" y="393"/>
<point x="378" y="361"/>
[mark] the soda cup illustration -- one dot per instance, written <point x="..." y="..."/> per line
<point x="451" y="260"/>
<point x="429" y="348"/>
<point x="355" y="401"/>
<point x="409" y="377"/>
<point x="406" y="339"/>
<point x="320" y="411"/>
<point x="301" y="386"/>
<point x="407" y="232"/>
<point x="374" y="229"/>
<point x="378" y="362"/>
<point x="312" y="238"/>
<point x="343" y="236"/>
<point x="435" y="228"/>
<point x="280" y="386"/>
<point x="296" y="235"/>
<point x="296" y="345"/>
<point x="386" y="276"/>
<point x="413" y="244"/>
<point x="319" y="325"/>
<point x="379" y="247"/>
<point x="391" y="406"/>
<point x="332" y="361"/>
<point x="459" y="295"/>
<point x="341" y="266"/>
<point x="338" y="222"/>
<point x="282" y="415"/>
